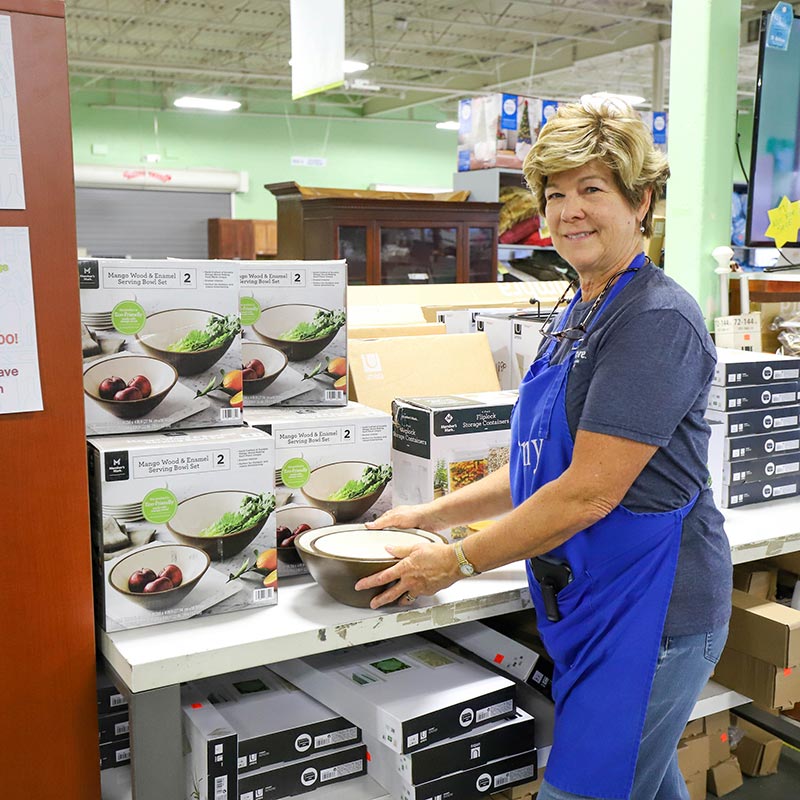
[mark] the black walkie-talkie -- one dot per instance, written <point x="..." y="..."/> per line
<point x="552" y="576"/>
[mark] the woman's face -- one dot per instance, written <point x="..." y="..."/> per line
<point x="592" y="225"/>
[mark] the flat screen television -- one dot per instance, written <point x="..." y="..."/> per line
<point x="775" y="154"/>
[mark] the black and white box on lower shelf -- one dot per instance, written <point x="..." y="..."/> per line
<point x="747" y="398"/>
<point x="407" y="693"/>
<point x="115" y="754"/>
<point x="755" y="421"/>
<point x="182" y="524"/>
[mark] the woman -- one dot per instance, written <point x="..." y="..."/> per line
<point x="629" y="567"/>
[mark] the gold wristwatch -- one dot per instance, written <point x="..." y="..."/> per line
<point x="466" y="567"/>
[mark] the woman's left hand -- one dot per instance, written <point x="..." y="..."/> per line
<point x="424" y="570"/>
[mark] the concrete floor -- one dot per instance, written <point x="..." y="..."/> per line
<point x="785" y="785"/>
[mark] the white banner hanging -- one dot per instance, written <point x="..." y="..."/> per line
<point x="317" y="46"/>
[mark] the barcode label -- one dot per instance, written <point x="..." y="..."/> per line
<point x="514" y="776"/>
<point x="230" y="413"/>
<point x="786" y="422"/>
<point x="116" y="700"/>
<point x="121" y="728"/>
<point x="334" y="395"/>
<point x="260" y="595"/>
<point x="494" y="711"/>
<point x="123" y="755"/>
<point x="341" y="770"/>
<point x="785" y="469"/>
<point x="792" y="444"/>
<point x="221" y="787"/>
<point x="335" y="737"/>
<point x="782" y="490"/>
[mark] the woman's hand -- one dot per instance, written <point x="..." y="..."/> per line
<point x="419" y="516"/>
<point x="423" y="570"/>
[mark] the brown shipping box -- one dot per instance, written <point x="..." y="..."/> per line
<point x="421" y="366"/>
<point x="696" y="786"/>
<point x="758" y="752"/>
<point x="767" y="631"/>
<point x="716" y="728"/>
<point x="693" y="756"/>
<point x="392" y="314"/>
<point x="724" y="777"/>
<point x="693" y="728"/>
<point x="396" y="329"/>
<point x="766" y="684"/>
<point x="790" y="562"/>
<point x="757" y="578"/>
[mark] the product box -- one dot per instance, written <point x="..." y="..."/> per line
<point x="756" y="578"/>
<point x="744" y="398"/>
<point x="294" y="316"/>
<point x="693" y="728"/>
<point x="693" y="755"/>
<point x="742" y="368"/>
<point x="274" y="721"/>
<point x="758" y="752"/>
<point x="317" y="451"/>
<point x="109" y="698"/>
<point x="762" y="420"/>
<point x="297" y="777"/>
<point x="696" y="786"/>
<point x="383" y="369"/>
<point x="464" y="782"/>
<point x="497" y="328"/>
<point x="743" y="494"/>
<point x="765" y="630"/>
<point x="407" y="693"/>
<point x="440" y="444"/>
<point x="745" y="448"/>
<point x="115" y="754"/>
<point x="740" y="331"/>
<point x="472" y="749"/>
<point x="761" y="469"/>
<point x="394" y="330"/>
<point x="762" y="682"/>
<point x="497" y="130"/>
<point x="113" y="727"/>
<point x="166" y="340"/>
<point x="724" y="777"/>
<point x="526" y="338"/>
<point x="198" y="501"/>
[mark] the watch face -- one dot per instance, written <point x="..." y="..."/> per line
<point x="467" y="569"/>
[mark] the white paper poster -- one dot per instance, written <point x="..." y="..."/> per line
<point x="20" y="387"/>
<point x="317" y="46"/>
<point x="12" y="189"/>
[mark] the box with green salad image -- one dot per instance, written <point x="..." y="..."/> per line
<point x="294" y="318"/>
<point x="183" y="524"/>
<point x="332" y="465"/>
<point x="161" y="345"/>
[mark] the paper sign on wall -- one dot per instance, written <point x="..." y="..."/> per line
<point x="317" y="46"/>
<point x="12" y="189"/>
<point x="20" y="387"/>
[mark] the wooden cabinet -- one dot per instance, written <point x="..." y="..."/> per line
<point x="247" y="239"/>
<point x="390" y="241"/>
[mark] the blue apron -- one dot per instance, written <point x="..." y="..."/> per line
<point x="606" y="644"/>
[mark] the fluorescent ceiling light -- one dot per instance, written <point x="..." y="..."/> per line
<point x="353" y="66"/>
<point x="449" y="125"/>
<point x="207" y="103"/>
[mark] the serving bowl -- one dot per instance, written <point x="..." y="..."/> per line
<point x="277" y="320"/>
<point x="199" y="512"/>
<point x="293" y="515"/>
<point x="329" y="478"/>
<point x="162" y="377"/>
<point x="338" y="556"/>
<point x="192" y="562"/>
<point x="273" y="359"/>
<point x="165" y="328"/>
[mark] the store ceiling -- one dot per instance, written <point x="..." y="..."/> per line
<point x="424" y="54"/>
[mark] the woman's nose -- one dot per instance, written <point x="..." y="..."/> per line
<point x="571" y="208"/>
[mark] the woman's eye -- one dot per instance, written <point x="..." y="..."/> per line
<point x="553" y="196"/>
<point x="592" y="189"/>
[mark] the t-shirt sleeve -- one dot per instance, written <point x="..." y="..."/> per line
<point x="648" y="373"/>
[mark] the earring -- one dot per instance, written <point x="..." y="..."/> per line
<point x="641" y="228"/>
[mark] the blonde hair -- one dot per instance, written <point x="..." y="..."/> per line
<point x="605" y="129"/>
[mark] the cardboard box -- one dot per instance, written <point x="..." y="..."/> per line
<point x="526" y="338"/>
<point x="354" y="437"/>
<point x="764" y="445"/>
<point x="744" y="494"/>
<point x="475" y="748"/>
<point x="407" y="693"/>
<point x="274" y="721"/>
<point x="113" y="727"/>
<point x="696" y="786"/>
<point x="756" y="578"/>
<point x="383" y="369"/>
<point x="396" y="329"/>
<point x="115" y="754"/>
<point x="152" y="495"/>
<point x="719" y="747"/>
<point x="277" y="298"/>
<point x="440" y="444"/>
<point x="464" y="320"/>
<point x="109" y="698"/>
<point x="716" y="723"/>
<point x="498" y="328"/>
<point x="693" y="728"/>
<point x="743" y="398"/>
<point x="740" y="332"/>
<point x="767" y="631"/>
<point x="693" y="755"/>
<point x="466" y="782"/>
<point x="297" y="777"/>
<point x="758" y="752"/>
<point x="742" y="368"/>
<point x="761" y="469"/>
<point x="762" y="682"/>
<point x="724" y="777"/>
<point x="141" y="313"/>
<point x="763" y="420"/>
<point x="769" y="311"/>
<point x="362" y="316"/>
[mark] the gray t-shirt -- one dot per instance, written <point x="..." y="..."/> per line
<point x="643" y="373"/>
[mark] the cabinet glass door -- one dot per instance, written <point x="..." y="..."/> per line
<point x="482" y="244"/>
<point x="353" y="248"/>
<point x="418" y="255"/>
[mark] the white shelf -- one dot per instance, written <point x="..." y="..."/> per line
<point x="305" y="621"/>
<point x="524" y="248"/>
<point x="763" y="529"/>
<point x="790" y="275"/>
<point x="714" y="698"/>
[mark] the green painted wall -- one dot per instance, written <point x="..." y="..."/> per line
<point x="358" y="152"/>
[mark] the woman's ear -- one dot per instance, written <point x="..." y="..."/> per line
<point x="644" y="206"/>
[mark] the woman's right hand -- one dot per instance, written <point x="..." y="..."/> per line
<point x="420" y="516"/>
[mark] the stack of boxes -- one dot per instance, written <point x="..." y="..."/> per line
<point x="435" y="723"/>
<point x="754" y="412"/>
<point x="514" y="340"/>
<point x="113" y="724"/>
<point x="704" y="757"/>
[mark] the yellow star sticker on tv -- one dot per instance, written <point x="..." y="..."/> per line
<point x="784" y="222"/>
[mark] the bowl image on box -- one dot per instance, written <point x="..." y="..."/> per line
<point x="329" y="479"/>
<point x="290" y="517"/>
<point x="273" y="362"/>
<point x="276" y="321"/>
<point x="199" y="513"/>
<point x="161" y="376"/>
<point x="191" y="562"/>
<point x="165" y="329"/>
<point x="340" y="555"/>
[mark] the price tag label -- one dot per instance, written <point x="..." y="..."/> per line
<point x="779" y="27"/>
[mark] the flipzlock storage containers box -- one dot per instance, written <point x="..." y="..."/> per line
<point x="440" y="444"/>
<point x="161" y="344"/>
<point x="322" y="454"/>
<point x="294" y="317"/>
<point x="174" y="517"/>
<point x="745" y="368"/>
<point x="407" y="693"/>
